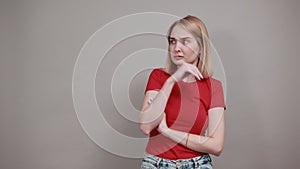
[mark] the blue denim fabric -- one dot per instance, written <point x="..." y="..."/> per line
<point x="154" y="162"/>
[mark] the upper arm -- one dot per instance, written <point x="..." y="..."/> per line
<point x="217" y="95"/>
<point x="153" y="86"/>
<point x="149" y="96"/>
<point x="216" y="123"/>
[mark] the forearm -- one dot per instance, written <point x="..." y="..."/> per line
<point x="195" y="142"/>
<point x="152" y="115"/>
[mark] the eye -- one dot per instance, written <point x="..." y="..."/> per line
<point x="172" y="41"/>
<point x="186" y="42"/>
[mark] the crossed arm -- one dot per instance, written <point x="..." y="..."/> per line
<point x="153" y="107"/>
<point x="152" y="116"/>
<point x="212" y="144"/>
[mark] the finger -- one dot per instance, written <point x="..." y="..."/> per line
<point x="165" y="115"/>
<point x="194" y="71"/>
<point x="198" y="72"/>
<point x="150" y="100"/>
<point x="196" y="75"/>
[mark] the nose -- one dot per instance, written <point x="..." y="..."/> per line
<point x="178" y="46"/>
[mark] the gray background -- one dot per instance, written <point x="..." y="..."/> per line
<point x="258" y="42"/>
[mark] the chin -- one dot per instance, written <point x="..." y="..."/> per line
<point x="178" y="62"/>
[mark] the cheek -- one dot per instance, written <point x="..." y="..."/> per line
<point x="196" y="48"/>
<point x="171" y="50"/>
<point x="193" y="50"/>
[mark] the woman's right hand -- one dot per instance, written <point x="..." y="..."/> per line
<point x="186" y="69"/>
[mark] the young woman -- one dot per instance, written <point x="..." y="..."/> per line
<point x="183" y="108"/>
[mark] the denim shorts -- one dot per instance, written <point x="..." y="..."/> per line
<point x="154" y="162"/>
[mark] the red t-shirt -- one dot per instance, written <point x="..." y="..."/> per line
<point x="186" y="110"/>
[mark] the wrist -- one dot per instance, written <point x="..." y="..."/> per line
<point x="163" y="130"/>
<point x="172" y="79"/>
<point x="187" y="140"/>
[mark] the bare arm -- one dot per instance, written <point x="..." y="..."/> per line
<point x="212" y="144"/>
<point x="152" y="112"/>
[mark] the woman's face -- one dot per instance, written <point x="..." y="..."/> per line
<point x="183" y="46"/>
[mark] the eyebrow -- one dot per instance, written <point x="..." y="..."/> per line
<point x="180" y="38"/>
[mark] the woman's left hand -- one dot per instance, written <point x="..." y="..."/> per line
<point x="163" y="127"/>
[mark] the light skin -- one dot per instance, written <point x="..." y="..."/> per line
<point x="183" y="52"/>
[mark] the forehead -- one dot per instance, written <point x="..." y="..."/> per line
<point x="180" y="32"/>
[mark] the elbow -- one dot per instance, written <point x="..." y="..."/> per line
<point x="145" y="129"/>
<point x="217" y="150"/>
<point x="217" y="153"/>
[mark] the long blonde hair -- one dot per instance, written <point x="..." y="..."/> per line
<point x="198" y="29"/>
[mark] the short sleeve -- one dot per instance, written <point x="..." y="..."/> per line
<point x="154" y="80"/>
<point x="217" y="95"/>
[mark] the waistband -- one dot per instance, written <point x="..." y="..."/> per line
<point x="190" y="162"/>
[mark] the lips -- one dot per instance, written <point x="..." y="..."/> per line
<point x="179" y="57"/>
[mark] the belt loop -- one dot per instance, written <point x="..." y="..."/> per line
<point x="210" y="160"/>
<point x="195" y="162"/>
<point x="158" y="162"/>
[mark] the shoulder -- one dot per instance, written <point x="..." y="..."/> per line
<point x="213" y="82"/>
<point x="159" y="74"/>
<point x="159" y="71"/>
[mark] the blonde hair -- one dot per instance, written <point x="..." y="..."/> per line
<point x="198" y="29"/>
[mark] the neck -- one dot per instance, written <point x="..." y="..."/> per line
<point x="189" y="78"/>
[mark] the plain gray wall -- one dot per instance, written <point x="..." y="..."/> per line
<point x="258" y="42"/>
